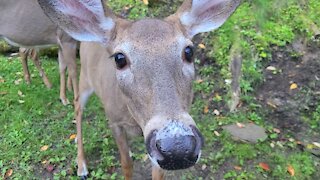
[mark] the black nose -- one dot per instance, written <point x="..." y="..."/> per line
<point x="178" y="152"/>
<point x="175" y="146"/>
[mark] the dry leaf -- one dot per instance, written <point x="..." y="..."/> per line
<point x="204" y="166"/>
<point x="310" y="146"/>
<point x="146" y="157"/>
<point x="17" y="82"/>
<point x="291" y="140"/>
<point x="21" y="94"/>
<point x="293" y="86"/>
<point x="264" y="166"/>
<point x="44" y="162"/>
<point x="216" y="112"/>
<point x="199" y="81"/>
<point x="316" y="144"/>
<point x="201" y="46"/>
<point x="72" y="136"/>
<point x="146" y="2"/>
<point x="290" y="170"/>
<point x="1" y="80"/>
<point x="238" y="168"/>
<point x="240" y="125"/>
<point x="44" y="148"/>
<point x="3" y="93"/>
<point x="276" y="130"/>
<point x="272" y="145"/>
<point x="216" y="133"/>
<point x="271" y="68"/>
<point x="8" y="173"/>
<point x="206" y="109"/>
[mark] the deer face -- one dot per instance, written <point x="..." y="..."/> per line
<point x="154" y="67"/>
<point x="155" y="70"/>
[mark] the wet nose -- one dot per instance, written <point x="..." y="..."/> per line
<point x="175" y="146"/>
<point x="177" y="152"/>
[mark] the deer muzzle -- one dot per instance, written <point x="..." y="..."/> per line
<point x="175" y="146"/>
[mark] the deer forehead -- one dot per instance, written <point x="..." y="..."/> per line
<point x="150" y="36"/>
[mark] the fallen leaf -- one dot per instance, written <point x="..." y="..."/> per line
<point x="310" y="146"/>
<point x="279" y="144"/>
<point x="290" y="170"/>
<point x="271" y="68"/>
<point x="201" y="46"/>
<point x="3" y="93"/>
<point x="272" y="105"/>
<point x="264" y="166"/>
<point x="206" y="109"/>
<point x="240" y="125"/>
<point x="216" y="112"/>
<point x="8" y="173"/>
<point x="204" y="166"/>
<point x="146" y="2"/>
<point x="272" y="145"/>
<point x="293" y="86"/>
<point x="199" y="81"/>
<point x="72" y="136"/>
<point x="44" y="162"/>
<point x="18" y="81"/>
<point x="316" y="144"/>
<point x="276" y="130"/>
<point x="44" y="148"/>
<point x="146" y="157"/>
<point x="21" y="94"/>
<point x="216" y="133"/>
<point x="1" y="80"/>
<point x="238" y="168"/>
<point x="291" y="140"/>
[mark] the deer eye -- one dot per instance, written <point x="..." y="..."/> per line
<point x="121" y="60"/>
<point x="188" y="54"/>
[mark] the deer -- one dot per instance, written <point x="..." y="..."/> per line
<point x="25" y="53"/>
<point x="142" y="71"/>
<point x="24" y="24"/>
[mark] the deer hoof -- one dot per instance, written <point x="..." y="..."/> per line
<point x="83" y="177"/>
<point x="64" y="101"/>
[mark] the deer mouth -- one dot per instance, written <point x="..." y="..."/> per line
<point x="174" y="148"/>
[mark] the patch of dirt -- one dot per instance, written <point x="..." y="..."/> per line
<point x="286" y="107"/>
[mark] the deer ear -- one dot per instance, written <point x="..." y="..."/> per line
<point x="198" y="16"/>
<point x="84" y="20"/>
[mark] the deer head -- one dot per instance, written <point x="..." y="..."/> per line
<point x="153" y="66"/>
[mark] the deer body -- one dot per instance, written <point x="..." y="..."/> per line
<point x="24" y="24"/>
<point x="142" y="72"/>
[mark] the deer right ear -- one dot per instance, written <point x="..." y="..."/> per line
<point x="84" y="20"/>
<point x="197" y="16"/>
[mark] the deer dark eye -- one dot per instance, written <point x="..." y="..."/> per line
<point x="188" y="54"/>
<point x="121" y="60"/>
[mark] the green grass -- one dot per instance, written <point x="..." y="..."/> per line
<point x="36" y="118"/>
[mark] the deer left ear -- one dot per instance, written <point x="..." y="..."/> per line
<point x="198" y="16"/>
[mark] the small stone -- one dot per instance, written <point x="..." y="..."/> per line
<point x="250" y="132"/>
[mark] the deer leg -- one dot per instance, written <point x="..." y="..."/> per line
<point x="69" y="83"/>
<point x="37" y="63"/>
<point x="24" y="61"/>
<point x="157" y="173"/>
<point x="80" y="102"/>
<point x="122" y="143"/>
<point x="69" y="50"/>
<point x="62" y="71"/>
